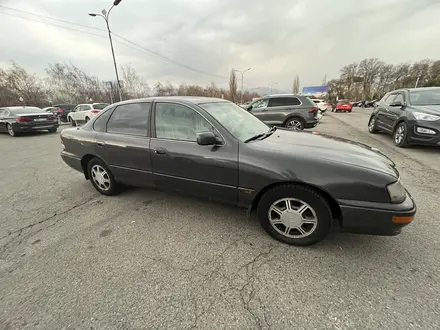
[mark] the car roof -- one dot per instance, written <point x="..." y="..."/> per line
<point x="182" y="99"/>
<point x="416" y="89"/>
<point x="19" y="107"/>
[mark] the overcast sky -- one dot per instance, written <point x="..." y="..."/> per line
<point x="276" y="38"/>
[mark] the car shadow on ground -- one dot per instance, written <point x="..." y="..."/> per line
<point x="335" y="241"/>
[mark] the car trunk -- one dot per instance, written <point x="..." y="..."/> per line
<point x="35" y="119"/>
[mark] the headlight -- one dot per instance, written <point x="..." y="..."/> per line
<point x="397" y="192"/>
<point x="425" y="116"/>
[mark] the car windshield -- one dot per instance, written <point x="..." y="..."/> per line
<point x="100" y="106"/>
<point x="24" y="111"/>
<point x="239" y="122"/>
<point x="425" y="97"/>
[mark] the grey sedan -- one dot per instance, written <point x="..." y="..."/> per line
<point x="299" y="183"/>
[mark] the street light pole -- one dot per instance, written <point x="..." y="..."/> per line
<point x="271" y="84"/>
<point x="242" y="79"/>
<point x="105" y="15"/>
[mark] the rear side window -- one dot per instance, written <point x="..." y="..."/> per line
<point x="130" y="119"/>
<point x="283" y="101"/>
<point x="100" y="124"/>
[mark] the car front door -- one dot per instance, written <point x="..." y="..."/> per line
<point x="181" y="164"/>
<point x="394" y="112"/>
<point x="74" y="112"/>
<point x="123" y="142"/>
<point x="383" y="120"/>
<point x="259" y="109"/>
<point x="81" y="115"/>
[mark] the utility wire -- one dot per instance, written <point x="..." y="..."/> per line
<point x="140" y="48"/>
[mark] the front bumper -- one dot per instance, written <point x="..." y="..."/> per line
<point x="385" y="219"/>
<point x="414" y="137"/>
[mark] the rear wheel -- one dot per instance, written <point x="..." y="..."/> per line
<point x="101" y="177"/>
<point x="295" y="214"/>
<point x="11" y="130"/>
<point x="400" y="135"/>
<point x="52" y="130"/>
<point x="295" y="124"/>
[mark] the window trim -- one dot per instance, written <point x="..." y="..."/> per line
<point x="153" y="122"/>
<point x="148" y="126"/>
<point x="98" y="116"/>
<point x="285" y="97"/>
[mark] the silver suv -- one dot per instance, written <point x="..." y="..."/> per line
<point x="292" y="111"/>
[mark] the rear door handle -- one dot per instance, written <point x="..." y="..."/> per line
<point x="100" y="144"/>
<point x="160" y="151"/>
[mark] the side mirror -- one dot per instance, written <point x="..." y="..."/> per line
<point x="208" y="139"/>
<point x="396" y="104"/>
<point x="249" y="107"/>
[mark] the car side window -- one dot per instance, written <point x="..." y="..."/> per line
<point x="260" y="104"/>
<point x="277" y="102"/>
<point x="100" y="124"/>
<point x="295" y="101"/>
<point x="77" y="108"/>
<point x="87" y="107"/>
<point x="130" y="119"/>
<point x="179" y="122"/>
<point x="390" y="98"/>
<point x="399" y="98"/>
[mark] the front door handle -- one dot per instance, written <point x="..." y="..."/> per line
<point x="100" y="143"/>
<point x="160" y="151"/>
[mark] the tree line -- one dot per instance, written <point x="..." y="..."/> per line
<point x="67" y="83"/>
<point x="371" y="78"/>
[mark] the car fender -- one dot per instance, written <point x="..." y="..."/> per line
<point x="291" y="116"/>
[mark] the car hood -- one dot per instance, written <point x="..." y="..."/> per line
<point x="329" y="148"/>
<point x="430" y="109"/>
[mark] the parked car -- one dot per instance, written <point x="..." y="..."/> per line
<point x="321" y="104"/>
<point x="343" y="105"/>
<point x="299" y="183"/>
<point x="291" y="111"/>
<point x="63" y="110"/>
<point x="51" y="110"/>
<point x="82" y="113"/>
<point x="17" y="120"/>
<point x="411" y="116"/>
<point x="369" y="104"/>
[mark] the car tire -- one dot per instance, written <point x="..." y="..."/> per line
<point x="52" y="130"/>
<point x="87" y="119"/>
<point x="102" y="178"/>
<point x="306" y="228"/>
<point x="11" y="130"/>
<point x="372" y="128"/>
<point x="400" y="135"/>
<point x="294" y="123"/>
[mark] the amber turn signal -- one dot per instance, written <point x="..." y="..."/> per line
<point x="402" y="220"/>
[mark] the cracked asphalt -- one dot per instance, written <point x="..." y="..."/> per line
<point x="73" y="259"/>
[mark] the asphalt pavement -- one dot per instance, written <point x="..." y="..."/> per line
<point x="73" y="259"/>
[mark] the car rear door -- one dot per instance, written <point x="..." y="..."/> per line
<point x="180" y="164"/>
<point x="123" y="142"/>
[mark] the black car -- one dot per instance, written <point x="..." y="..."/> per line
<point x="16" y="120"/>
<point x="63" y="110"/>
<point x="300" y="183"/>
<point x="411" y="116"/>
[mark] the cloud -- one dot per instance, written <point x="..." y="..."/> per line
<point x="277" y="39"/>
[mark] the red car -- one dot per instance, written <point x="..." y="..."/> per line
<point x="344" y="105"/>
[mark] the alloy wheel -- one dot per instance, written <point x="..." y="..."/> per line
<point x="400" y="134"/>
<point x="11" y="130"/>
<point x="100" y="177"/>
<point x="295" y="124"/>
<point x="372" y="124"/>
<point x="293" y="218"/>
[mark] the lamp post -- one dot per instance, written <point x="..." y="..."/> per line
<point x="105" y="15"/>
<point x="242" y="75"/>
<point x="271" y="84"/>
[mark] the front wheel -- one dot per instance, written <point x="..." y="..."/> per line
<point x="87" y="119"/>
<point x="52" y="130"/>
<point x="372" y="126"/>
<point x="71" y="121"/>
<point x="295" y="124"/>
<point x="400" y="135"/>
<point x="295" y="214"/>
<point x="101" y="177"/>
